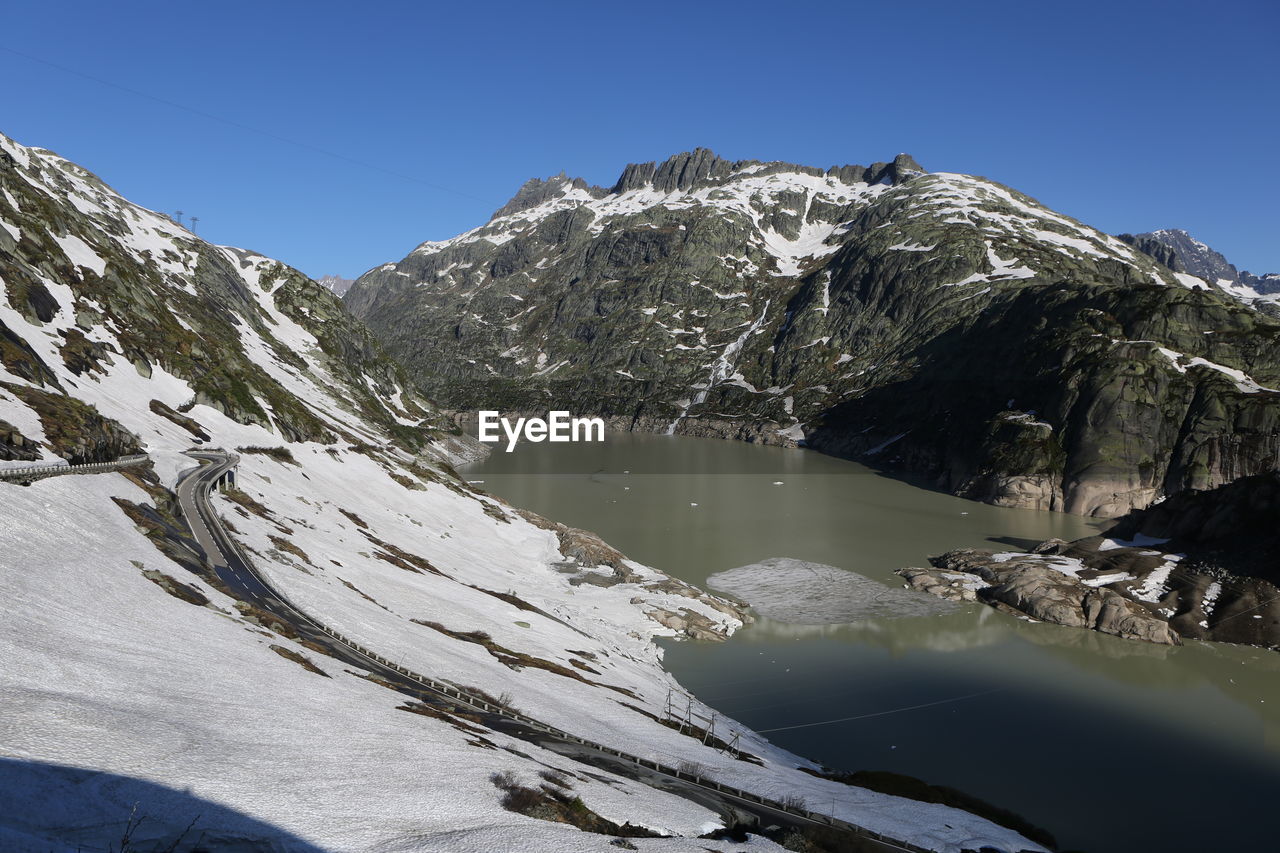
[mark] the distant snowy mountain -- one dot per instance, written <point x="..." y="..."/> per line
<point x="937" y="322"/>
<point x="135" y="684"/>
<point x="1181" y="252"/>
<point x="337" y="284"/>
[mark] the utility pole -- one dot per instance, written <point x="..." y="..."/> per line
<point x="733" y="746"/>
<point x="194" y="220"/>
<point x="178" y="215"/>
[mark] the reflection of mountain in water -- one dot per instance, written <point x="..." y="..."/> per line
<point x="974" y="628"/>
<point x="1248" y="678"/>
<point x="951" y="633"/>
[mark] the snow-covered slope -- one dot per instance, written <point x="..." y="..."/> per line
<point x="130" y="678"/>
<point x="110" y="682"/>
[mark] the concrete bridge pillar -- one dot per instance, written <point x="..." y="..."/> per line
<point x="226" y="480"/>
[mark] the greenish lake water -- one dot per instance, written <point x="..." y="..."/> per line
<point x="1112" y="745"/>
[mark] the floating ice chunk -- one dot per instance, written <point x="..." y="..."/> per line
<point x="803" y="593"/>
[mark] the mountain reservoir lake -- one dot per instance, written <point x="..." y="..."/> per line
<point x="1112" y="745"/>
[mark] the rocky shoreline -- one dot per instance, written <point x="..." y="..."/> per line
<point x="1043" y="586"/>
<point x="1202" y="565"/>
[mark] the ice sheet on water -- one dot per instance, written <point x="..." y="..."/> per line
<point x="803" y="593"/>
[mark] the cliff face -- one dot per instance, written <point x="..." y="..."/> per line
<point x="936" y="322"/>
<point x="1232" y="527"/>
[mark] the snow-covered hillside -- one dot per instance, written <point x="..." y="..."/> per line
<point x="130" y="679"/>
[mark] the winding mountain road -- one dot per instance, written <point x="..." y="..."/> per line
<point x="237" y="572"/>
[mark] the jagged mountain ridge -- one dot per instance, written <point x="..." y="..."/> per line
<point x="937" y="322"/>
<point x="1181" y="252"/>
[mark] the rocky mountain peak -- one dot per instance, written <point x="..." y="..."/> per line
<point x="1181" y="252"/>
<point x="680" y="172"/>
<point x="336" y="283"/>
<point x="903" y="165"/>
<point x="702" y="167"/>
<point x="537" y="190"/>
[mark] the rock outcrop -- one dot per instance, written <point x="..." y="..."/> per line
<point x="1201" y="565"/>
<point x="73" y="429"/>
<point x="1042" y="588"/>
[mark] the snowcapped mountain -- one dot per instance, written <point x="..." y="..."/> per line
<point x="337" y="284"/>
<point x="1179" y="251"/>
<point x="937" y="322"/>
<point x="145" y="700"/>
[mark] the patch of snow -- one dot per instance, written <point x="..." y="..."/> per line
<point x="1141" y="540"/>
<point x="1155" y="584"/>
<point x="795" y="432"/>
<point x="80" y="253"/>
<point x="1183" y="363"/>
<point x="1210" y="598"/>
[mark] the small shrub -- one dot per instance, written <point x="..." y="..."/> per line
<point x="794" y="801"/>
<point x="280" y="454"/>
<point x="557" y="805"/>
<point x="555" y="778"/>
<point x="692" y="768"/>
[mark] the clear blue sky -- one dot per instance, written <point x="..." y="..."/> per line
<point x="1131" y="116"/>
